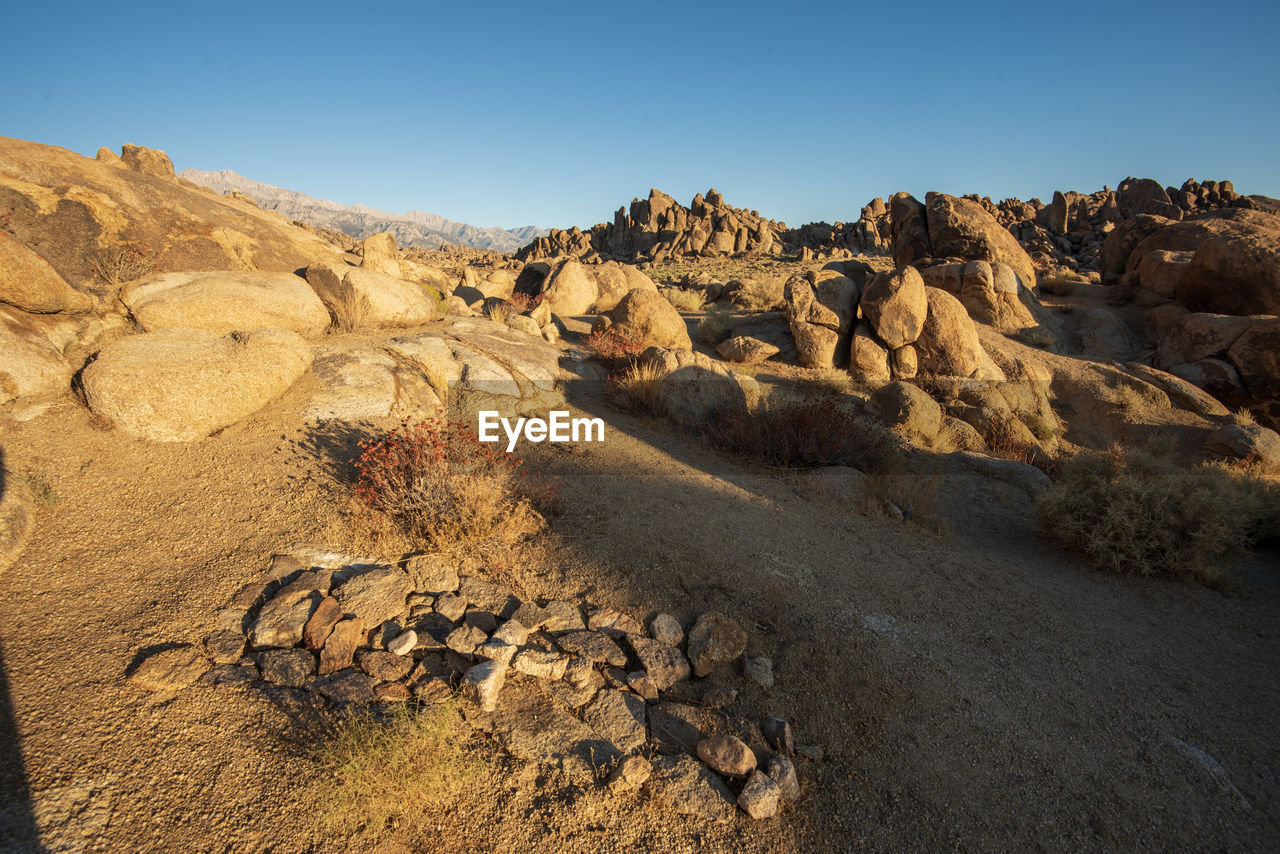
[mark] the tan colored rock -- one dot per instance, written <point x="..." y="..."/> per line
<point x="148" y="161"/>
<point x="182" y="384"/>
<point x="820" y="310"/>
<point x="1256" y="355"/>
<point x="570" y="289"/>
<point x="867" y="357"/>
<point x="1192" y="337"/>
<point x="962" y="228"/>
<point x="948" y="344"/>
<point x="714" y="641"/>
<point x="745" y="350"/>
<point x="1236" y="272"/>
<point x="386" y="300"/>
<point x="908" y="410"/>
<point x="646" y="317"/>
<point x="1161" y="270"/>
<point x="224" y="302"/>
<point x="1246" y="442"/>
<point x="904" y="363"/>
<point x="339" y="650"/>
<point x="380" y="254"/>
<point x="17" y="517"/>
<point x="170" y="669"/>
<point x="895" y="305"/>
<point x="31" y="367"/>
<point x="616" y="281"/>
<point x="727" y="755"/>
<point x="693" y="384"/>
<point x="28" y="282"/>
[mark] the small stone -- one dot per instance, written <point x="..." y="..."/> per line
<point x="631" y="773"/>
<point x="482" y="620"/>
<point x="760" y="670"/>
<point x="482" y="683"/>
<point x="618" y="717"/>
<point x="464" y="639"/>
<point x="778" y="733"/>
<point x="434" y="625"/>
<point x="665" y="664"/>
<point x="451" y="606"/>
<point x="170" y="669"/>
<point x="281" y="621"/>
<point x="719" y="698"/>
<point x="384" y="666"/>
<point x="579" y="670"/>
<point x="382" y="635"/>
<point x="665" y="628"/>
<point x="403" y="643"/>
<point x="327" y="615"/>
<point x="376" y="595"/>
<point x="529" y="614"/>
<point x="496" y="650"/>
<point x="616" y="677"/>
<point x="432" y="691"/>
<point x="511" y="632"/>
<point x="391" y="692"/>
<point x="421" y="601"/>
<point x="290" y="667"/>
<point x="714" y="641"/>
<point x="340" y="649"/>
<point x="783" y="772"/>
<point x="613" y="623"/>
<point x="562" y="617"/>
<point x="487" y="596"/>
<point x="812" y="752"/>
<point x="593" y="646"/>
<point x="689" y="787"/>
<point x="432" y="574"/>
<point x="250" y="596"/>
<point x="224" y="646"/>
<point x="351" y="687"/>
<point x="543" y="665"/>
<point x="759" y="798"/>
<point x="233" y="619"/>
<point x="727" y="755"/>
<point x="577" y="696"/>
<point x="640" y="682"/>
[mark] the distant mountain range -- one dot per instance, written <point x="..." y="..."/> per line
<point x="412" y="228"/>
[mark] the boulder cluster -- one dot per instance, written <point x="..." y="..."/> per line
<point x="592" y="691"/>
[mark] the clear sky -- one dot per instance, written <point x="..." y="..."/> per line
<point x="554" y="114"/>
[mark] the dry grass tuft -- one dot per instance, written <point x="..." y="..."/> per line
<point x="351" y="312"/>
<point x="1243" y="417"/>
<point x="682" y="300"/>
<point x="119" y="265"/>
<point x="1138" y="513"/>
<point x="917" y="496"/>
<point x="827" y="381"/>
<point x="638" y="389"/>
<point x="392" y="773"/>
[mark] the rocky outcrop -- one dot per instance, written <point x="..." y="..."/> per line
<point x="821" y="307"/>
<point x="1236" y="359"/>
<point x="28" y="282"/>
<point x="182" y="384"/>
<point x="382" y="300"/>
<point x="645" y="317"/>
<point x="693" y="385"/>
<point x="226" y="301"/>
<point x="31" y="366"/>
<point x="659" y="228"/>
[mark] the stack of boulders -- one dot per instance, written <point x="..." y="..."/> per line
<point x="660" y="228"/>
<point x="593" y="692"/>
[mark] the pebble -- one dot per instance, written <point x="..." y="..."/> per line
<point x="482" y="683"/>
<point x="783" y="772"/>
<point x="631" y="773"/>
<point x="496" y="650"/>
<point x="727" y="755"/>
<point x="665" y="628"/>
<point x="224" y="646"/>
<point x="512" y="632"/>
<point x="778" y="733"/>
<point x="464" y="639"/>
<point x="594" y="646"/>
<point x="665" y="664"/>
<point x="759" y="798"/>
<point x="543" y="665"/>
<point x="403" y="643"/>
<point x="714" y="641"/>
<point x="451" y="606"/>
<point x="760" y="670"/>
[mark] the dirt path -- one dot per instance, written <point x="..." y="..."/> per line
<point x="980" y="692"/>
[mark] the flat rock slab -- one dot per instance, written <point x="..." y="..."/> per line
<point x="169" y="669"/>
<point x="593" y="646"/>
<point x="531" y="726"/>
<point x="376" y="595"/>
<point x="690" y="788"/>
<point x="225" y="301"/>
<point x="619" y="717"/>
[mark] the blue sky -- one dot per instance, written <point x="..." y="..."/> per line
<point x="556" y="114"/>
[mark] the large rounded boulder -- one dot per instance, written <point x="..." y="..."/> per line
<point x="384" y="300"/>
<point x="962" y="228"/>
<point x="177" y="385"/>
<point x="570" y="289"/>
<point x="616" y="280"/>
<point x="895" y="305"/>
<point x="28" y="282"/>
<point x="646" y="317"/>
<point x="223" y="302"/>
<point x="1236" y="272"/>
<point x="820" y="310"/>
<point x="948" y="344"/>
<point x="31" y="366"/>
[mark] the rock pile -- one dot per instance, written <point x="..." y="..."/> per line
<point x="590" y="691"/>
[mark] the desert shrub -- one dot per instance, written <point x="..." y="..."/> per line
<point x="615" y="350"/>
<point x="498" y="312"/>
<point x="441" y="303"/>
<point x="758" y="293"/>
<point x="390" y="771"/>
<point x="804" y="433"/>
<point x="1243" y="417"/>
<point x="714" y="327"/>
<point x="682" y="300"/>
<point x="1038" y="337"/>
<point x="638" y="389"/>
<point x="119" y="265"/>
<point x="350" y="311"/>
<point x="1136" y="512"/>
<point x="446" y="488"/>
<point x="826" y="381"/>
<point x="519" y="303"/>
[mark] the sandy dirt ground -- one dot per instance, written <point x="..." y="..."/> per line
<point x="981" y="691"/>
